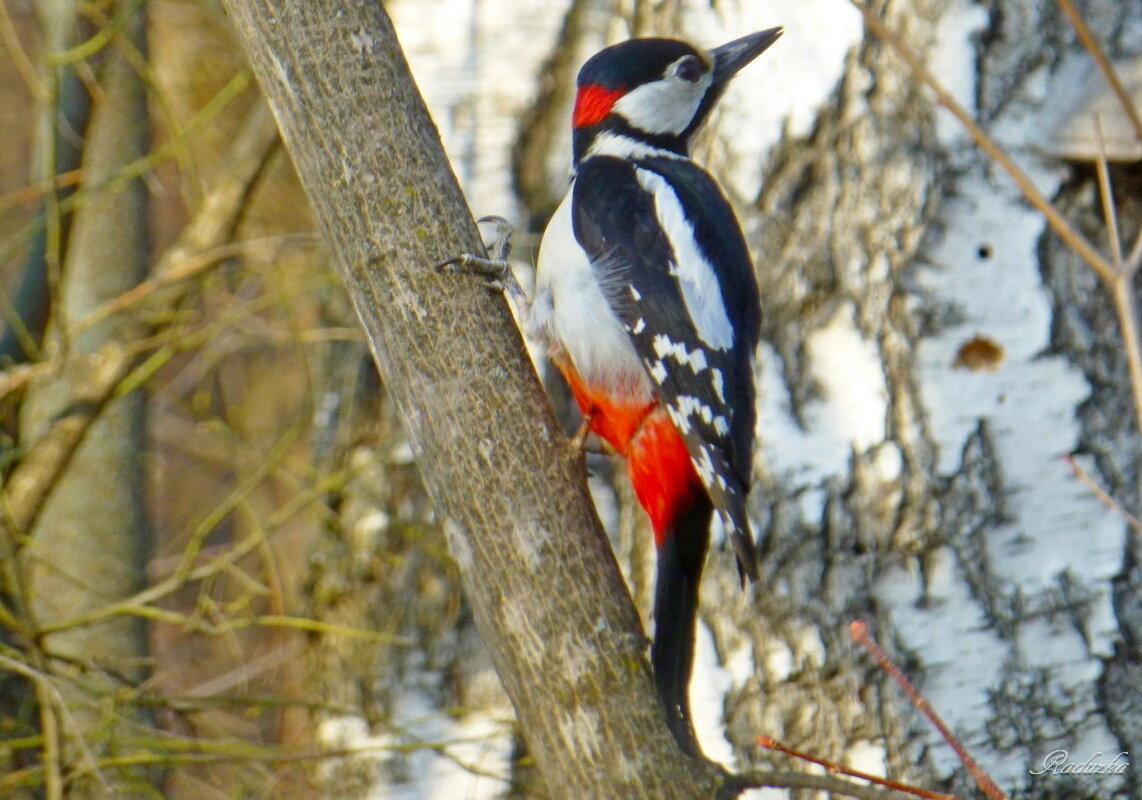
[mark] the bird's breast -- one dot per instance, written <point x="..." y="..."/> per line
<point x="573" y="314"/>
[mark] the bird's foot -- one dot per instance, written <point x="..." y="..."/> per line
<point x="579" y="440"/>
<point x="492" y="267"/>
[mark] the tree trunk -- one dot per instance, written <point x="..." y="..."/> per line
<point x="544" y="587"/>
<point x="89" y="545"/>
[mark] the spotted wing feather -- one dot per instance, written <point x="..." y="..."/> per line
<point x="703" y="378"/>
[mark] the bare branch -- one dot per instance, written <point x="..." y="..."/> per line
<point x="32" y="480"/>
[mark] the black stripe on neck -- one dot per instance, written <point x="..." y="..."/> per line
<point x="582" y="138"/>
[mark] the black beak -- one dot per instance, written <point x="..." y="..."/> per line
<point x="732" y="56"/>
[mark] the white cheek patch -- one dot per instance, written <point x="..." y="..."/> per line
<point x="663" y="106"/>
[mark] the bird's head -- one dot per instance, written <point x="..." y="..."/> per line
<point x="655" y="92"/>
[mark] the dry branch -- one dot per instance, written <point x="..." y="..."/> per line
<point x="32" y="480"/>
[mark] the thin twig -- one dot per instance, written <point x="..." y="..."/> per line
<point x="858" y="630"/>
<point x="34" y="191"/>
<point x="19" y="376"/>
<point x="34" y="478"/>
<point x="803" y="780"/>
<point x="1117" y="276"/>
<point x="30" y="484"/>
<point x="1091" y="45"/>
<point x="19" y="55"/>
<point x="140" y="604"/>
<point x="52" y="755"/>
<point x="1100" y="493"/>
<point x="49" y="697"/>
<point x="1122" y="292"/>
<point x="1122" y="286"/>
<point x="1134" y="261"/>
<point x="193" y="265"/>
<point x="232" y="750"/>
<point x="770" y="743"/>
<point x="1106" y="194"/>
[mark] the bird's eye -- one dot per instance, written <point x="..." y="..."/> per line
<point x="689" y="69"/>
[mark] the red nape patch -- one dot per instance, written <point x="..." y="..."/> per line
<point x="592" y="104"/>
<point x="661" y="472"/>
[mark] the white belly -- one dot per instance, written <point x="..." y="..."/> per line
<point x="571" y="311"/>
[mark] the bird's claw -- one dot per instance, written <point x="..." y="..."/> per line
<point x="501" y="246"/>
<point x="493" y="267"/>
<point x="579" y="440"/>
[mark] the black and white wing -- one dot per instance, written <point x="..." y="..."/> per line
<point x="667" y="250"/>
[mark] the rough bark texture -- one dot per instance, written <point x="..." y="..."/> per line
<point x="547" y="596"/>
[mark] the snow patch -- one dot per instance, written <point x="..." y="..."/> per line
<point x="471" y="749"/>
<point x="864" y="756"/>
<point x="778" y="660"/>
<point x="708" y="686"/>
<point x="467" y="59"/>
<point x="851" y="413"/>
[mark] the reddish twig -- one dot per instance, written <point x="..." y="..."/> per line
<point x="769" y="743"/>
<point x="858" y="630"/>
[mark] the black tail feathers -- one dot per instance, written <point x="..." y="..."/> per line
<point x="680" y="562"/>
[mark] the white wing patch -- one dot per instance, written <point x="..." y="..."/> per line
<point x="688" y="405"/>
<point x="695" y="359"/>
<point x="696" y="278"/>
<point x="719" y="385"/>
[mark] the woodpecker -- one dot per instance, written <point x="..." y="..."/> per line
<point x="646" y="293"/>
<point x="646" y="298"/>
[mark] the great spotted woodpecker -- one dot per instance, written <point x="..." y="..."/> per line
<point x="646" y="297"/>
